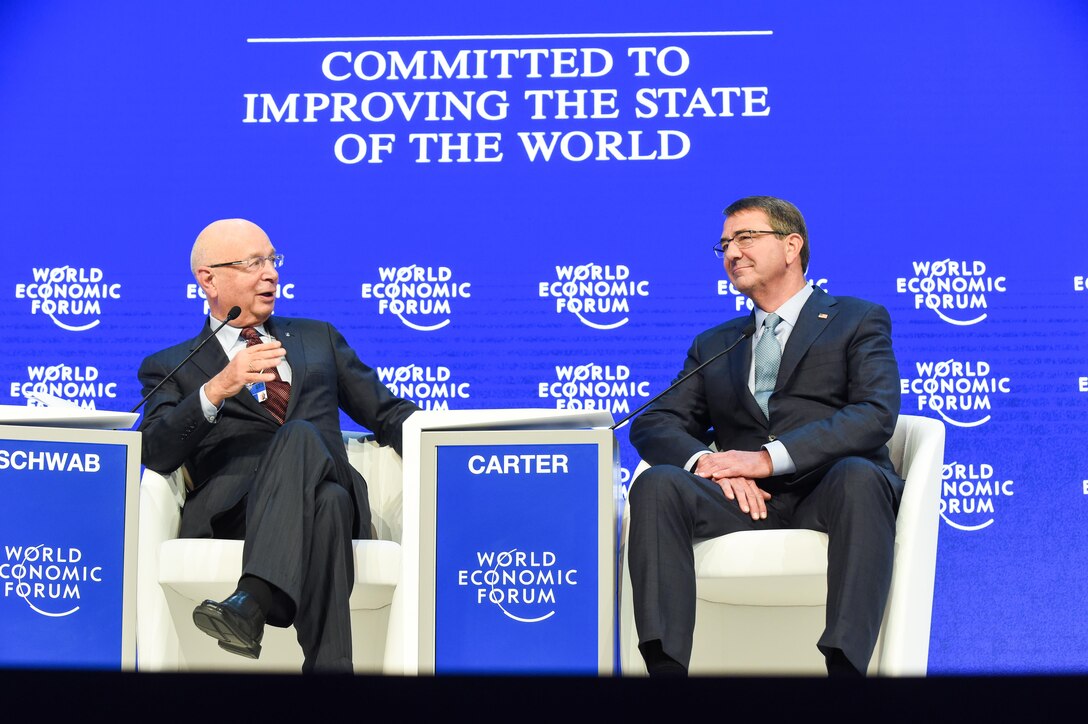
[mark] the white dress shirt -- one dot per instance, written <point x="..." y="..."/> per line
<point x="230" y="339"/>
<point x="789" y="311"/>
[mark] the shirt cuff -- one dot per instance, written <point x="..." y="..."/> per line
<point x="781" y="462"/>
<point x="211" y="412"/>
<point x="690" y="466"/>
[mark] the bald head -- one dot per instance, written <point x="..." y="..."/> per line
<point x="226" y="285"/>
<point x="220" y="235"/>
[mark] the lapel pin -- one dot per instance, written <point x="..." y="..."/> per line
<point x="822" y="315"/>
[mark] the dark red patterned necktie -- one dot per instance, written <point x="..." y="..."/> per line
<point x="279" y="392"/>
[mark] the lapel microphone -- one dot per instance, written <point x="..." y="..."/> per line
<point x="745" y="334"/>
<point x="233" y="314"/>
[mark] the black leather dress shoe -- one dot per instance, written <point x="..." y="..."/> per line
<point x="237" y="623"/>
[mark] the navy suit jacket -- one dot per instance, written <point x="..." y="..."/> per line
<point x="221" y="457"/>
<point x="837" y="394"/>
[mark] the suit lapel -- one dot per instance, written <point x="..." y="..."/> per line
<point x="211" y="358"/>
<point x="817" y="313"/>
<point x="296" y="357"/>
<point x="740" y="365"/>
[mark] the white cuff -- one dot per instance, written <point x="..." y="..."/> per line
<point x="781" y="462"/>
<point x="211" y="412"/>
<point x="690" y="466"/>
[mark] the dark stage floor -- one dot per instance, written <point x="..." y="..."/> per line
<point x="64" y="695"/>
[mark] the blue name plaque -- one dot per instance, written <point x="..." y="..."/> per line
<point x="517" y="564"/>
<point x="62" y="551"/>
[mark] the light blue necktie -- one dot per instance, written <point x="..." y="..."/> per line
<point x="768" y="358"/>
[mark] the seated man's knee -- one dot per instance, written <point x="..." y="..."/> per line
<point x="333" y="499"/>
<point x="859" y="481"/>
<point x="656" y="486"/>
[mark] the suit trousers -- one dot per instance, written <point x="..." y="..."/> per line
<point x="852" y="502"/>
<point x="298" y="523"/>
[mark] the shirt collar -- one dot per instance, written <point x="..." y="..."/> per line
<point x="229" y="336"/>
<point x="790" y="309"/>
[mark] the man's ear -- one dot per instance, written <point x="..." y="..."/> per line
<point x="205" y="277"/>
<point x="794" y="242"/>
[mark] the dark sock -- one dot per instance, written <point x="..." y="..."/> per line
<point x="659" y="664"/>
<point x="275" y="604"/>
<point x="839" y="667"/>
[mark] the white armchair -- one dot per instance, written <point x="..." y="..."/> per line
<point x="174" y="575"/>
<point x="760" y="595"/>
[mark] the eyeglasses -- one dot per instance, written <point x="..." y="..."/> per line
<point x="744" y="239"/>
<point x="253" y="264"/>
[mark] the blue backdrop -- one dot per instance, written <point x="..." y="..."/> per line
<point x="506" y="206"/>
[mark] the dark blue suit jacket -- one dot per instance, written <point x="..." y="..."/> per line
<point x="326" y="375"/>
<point x="837" y="394"/>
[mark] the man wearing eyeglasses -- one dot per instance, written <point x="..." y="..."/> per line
<point x="800" y="415"/>
<point x="254" y="418"/>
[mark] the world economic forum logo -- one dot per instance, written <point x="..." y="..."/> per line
<point x="82" y="385"/>
<point x="961" y="393"/>
<point x="956" y="291"/>
<point x="421" y="297"/>
<point x="525" y="586"/>
<point x="598" y="295"/>
<point x="593" y="386"/>
<point x="70" y="296"/>
<point x="47" y="579"/>
<point x="431" y="388"/>
<point x="969" y="491"/>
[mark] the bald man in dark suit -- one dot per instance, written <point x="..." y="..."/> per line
<point x="255" y="419"/>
